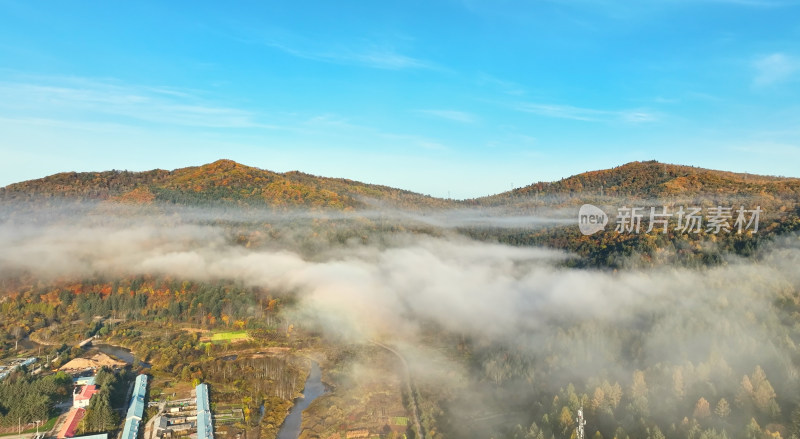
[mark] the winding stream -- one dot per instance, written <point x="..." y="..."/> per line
<point x="312" y="390"/>
<point x="119" y="352"/>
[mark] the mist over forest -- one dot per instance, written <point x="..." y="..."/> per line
<point x="501" y="340"/>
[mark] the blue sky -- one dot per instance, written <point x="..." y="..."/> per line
<point x="444" y="97"/>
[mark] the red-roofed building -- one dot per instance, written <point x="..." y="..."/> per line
<point x="71" y="424"/>
<point x="82" y="395"/>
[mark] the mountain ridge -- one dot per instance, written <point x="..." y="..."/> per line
<point x="223" y="181"/>
<point x="226" y="181"/>
<point x="667" y="180"/>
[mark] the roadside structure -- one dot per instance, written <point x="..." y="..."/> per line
<point x="83" y="380"/>
<point x="93" y="436"/>
<point x="83" y="395"/>
<point x="135" y="409"/>
<point x="7" y="367"/>
<point x="71" y="423"/>
<point x="205" y="429"/>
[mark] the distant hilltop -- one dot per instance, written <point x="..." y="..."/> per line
<point x="228" y="182"/>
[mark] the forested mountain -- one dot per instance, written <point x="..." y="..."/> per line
<point x="221" y="182"/>
<point x="644" y="184"/>
<point x="651" y="180"/>
<point x="225" y="181"/>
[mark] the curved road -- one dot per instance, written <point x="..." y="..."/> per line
<point x="412" y="394"/>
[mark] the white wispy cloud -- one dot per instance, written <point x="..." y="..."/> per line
<point x="587" y="114"/>
<point x="666" y="100"/>
<point x="505" y="86"/>
<point x="70" y="98"/>
<point x="774" y="68"/>
<point x="636" y="116"/>
<point x="107" y="106"/>
<point x="371" y="54"/>
<point x="452" y="115"/>
<point x="383" y="58"/>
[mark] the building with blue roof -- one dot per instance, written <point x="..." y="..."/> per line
<point x="83" y="381"/>
<point x="93" y="436"/>
<point x="137" y="405"/>
<point x="205" y="429"/>
<point x="135" y="409"/>
<point x="11" y="366"/>
<point x="131" y="429"/>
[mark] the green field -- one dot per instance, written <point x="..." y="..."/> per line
<point x="42" y="428"/>
<point x="229" y="336"/>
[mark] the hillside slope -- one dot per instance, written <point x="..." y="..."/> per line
<point x="221" y="182"/>
<point x="226" y="183"/>
<point x="649" y="180"/>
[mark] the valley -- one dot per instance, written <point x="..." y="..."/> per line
<point x="414" y="316"/>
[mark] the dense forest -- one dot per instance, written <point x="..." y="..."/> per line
<point x="610" y="249"/>
<point x="712" y="352"/>
<point x="640" y="375"/>
<point x="62" y="315"/>
<point x="139" y="299"/>
<point x="24" y="399"/>
<point x="223" y="182"/>
<point x="100" y="415"/>
<point x="649" y="180"/>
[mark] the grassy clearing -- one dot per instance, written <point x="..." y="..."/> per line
<point x="229" y="336"/>
<point x="42" y="428"/>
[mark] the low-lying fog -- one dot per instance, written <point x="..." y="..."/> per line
<point x="567" y="324"/>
